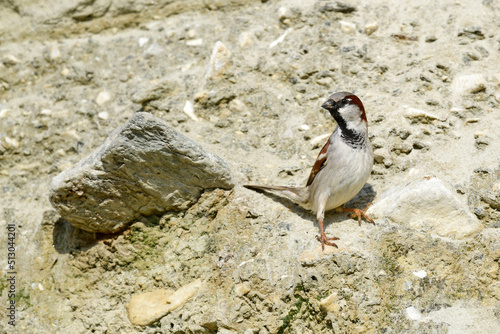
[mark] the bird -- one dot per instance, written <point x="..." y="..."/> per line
<point x="341" y="169"/>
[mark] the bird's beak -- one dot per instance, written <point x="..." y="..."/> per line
<point x="328" y="104"/>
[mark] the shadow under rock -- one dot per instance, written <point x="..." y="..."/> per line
<point x="67" y="238"/>
<point x="366" y="195"/>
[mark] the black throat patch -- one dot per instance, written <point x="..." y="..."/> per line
<point x="352" y="138"/>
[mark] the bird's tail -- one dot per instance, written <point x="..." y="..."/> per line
<point x="298" y="195"/>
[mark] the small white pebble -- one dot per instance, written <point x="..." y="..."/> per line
<point x="468" y="84"/>
<point x="54" y="52"/>
<point x="420" y="273"/>
<point x="304" y="127"/>
<point x="64" y="72"/>
<point x="10" y="60"/>
<point x="189" y="110"/>
<point x="10" y="143"/>
<point x="104" y="115"/>
<point x="237" y="105"/>
<point x="46" y="112"/>
<point x="194" y="42"/>
<point x="371" y="28"/>
<point x="413" y="314"/>
<point x="320" y="139"/>
<point x="143" y="41"/>
<point x="347" y="27"/>
<point x="103" y="98"/>
<point x="191" y="34"/>
<point x="282" y="12"/>
<point x="3" y="112"/>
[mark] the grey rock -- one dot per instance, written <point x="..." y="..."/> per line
<point x="144" y="167"/>
<point x="337" y="6"/>
<point x="160" y="90"/>
<point x="427" y="205"/>
<point x="484" y="196"/>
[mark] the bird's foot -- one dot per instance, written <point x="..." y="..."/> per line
<point x="358" y="213"/>
<point x="326" y="241"/>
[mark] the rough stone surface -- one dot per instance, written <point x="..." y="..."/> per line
<point x="427" y="205"/>
<point x="484" y="195"/>
<point x="143" y="168"/>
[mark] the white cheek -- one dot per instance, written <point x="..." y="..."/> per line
<point x="352" y="115"/>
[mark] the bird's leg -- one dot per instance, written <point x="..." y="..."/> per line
<point x="358" y="213"/>
<point x="323" y="238"/>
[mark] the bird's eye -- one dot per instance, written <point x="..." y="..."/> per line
<point x="345" y="100"/>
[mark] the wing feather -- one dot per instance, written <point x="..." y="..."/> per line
<point x="319" y="164"/>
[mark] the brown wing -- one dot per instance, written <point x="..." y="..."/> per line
<point x="319" y="164"/>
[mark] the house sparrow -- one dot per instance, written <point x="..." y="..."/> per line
<point x="342" y="167"/>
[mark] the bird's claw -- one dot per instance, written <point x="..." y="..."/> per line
<point x="358" y="213"/>
<point x="326" y="241"/>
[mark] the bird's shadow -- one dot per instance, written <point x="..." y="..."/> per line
<point x="360" y="201"/>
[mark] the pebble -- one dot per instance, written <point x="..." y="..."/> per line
<point x="370" y="28"/>
<point x="146" y="308"/>
<point x="189" y="110"/>
<point x="413" y="314"/>
<point x="46" y="112"/>
<point x="420" y="273"/>
<point x="195" y="42"/>
<point x="9" y="143"/>
<point x="421" y="116"/>
<point x="237" y="105"/>
<point x="104" y="115"/>
<point x="102" y="98"/>
<point x="329" y="304"/>
<point x="37" y="286"/>
<point x="241" y="289"/>
<point x="283" y="13"/>
<point x="54" y="52"/>
<point x="10" y="60"/>
<point x="319" y="140"/>
<point x="304" y="127"/>
<point x="4" y="112"/>
<point x="65" y="72"/>
<point x="191" y="34"/>
<point x="337" y="6"/>
<point x="430" y="39"/>
<point x="219" y="61"/>
<point x="347" y="27"/>
<point x="143" y="41"/>
<point x="468" y="84"/>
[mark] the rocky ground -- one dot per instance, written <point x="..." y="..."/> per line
<point x="428" y="74"/>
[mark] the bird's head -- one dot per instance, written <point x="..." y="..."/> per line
<point x="346" y="108"/>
